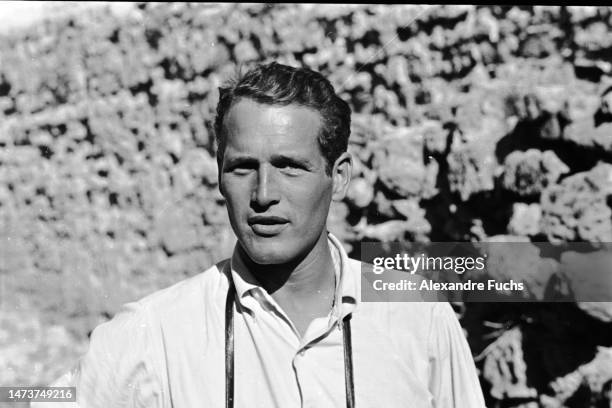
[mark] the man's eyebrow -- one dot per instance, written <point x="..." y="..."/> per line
<point x="304" y="161"/>
<point x="234" y="160"/>
<point x="239" y="158"/>
<point x="291" y="159"/>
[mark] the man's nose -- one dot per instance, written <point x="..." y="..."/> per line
<point x="266" y="190"/>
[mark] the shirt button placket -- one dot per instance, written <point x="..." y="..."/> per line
<point x="305" y="381"/>
<point x="297" y="363"/>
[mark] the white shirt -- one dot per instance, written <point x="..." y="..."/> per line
<point x="167" y="350"/>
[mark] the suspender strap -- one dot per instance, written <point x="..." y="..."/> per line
<point x="229" y="346"/>
<point x="229" y="353"/>
<point x="348" y="362"/>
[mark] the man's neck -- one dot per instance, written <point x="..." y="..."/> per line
<point x="304" y="289"/>
<point x="313" y="272"/>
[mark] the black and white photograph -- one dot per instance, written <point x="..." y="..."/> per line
<point x="305" y="205"/>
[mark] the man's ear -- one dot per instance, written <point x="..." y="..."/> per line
<point x="341" y="175"/>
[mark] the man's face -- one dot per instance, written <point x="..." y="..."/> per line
<point x="273" y="178"/>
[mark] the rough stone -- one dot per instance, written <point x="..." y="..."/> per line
<point x="528" y="173"/>
<point x="505" y="368"/>
<point x="525" y="219"/>
<point x="360" y="193"/>
<point x="588" y="277"/>
<point x="178" y="230"/>
<point x="398" y="160"/>
<point x="584" y="133"/>
<point x="471" y="170"/>
<point x="576" y="209"/>
<point x="518" y="260"/>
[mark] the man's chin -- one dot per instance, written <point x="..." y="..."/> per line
<point x="268" y="258"/>
<point x="269" y="253"/>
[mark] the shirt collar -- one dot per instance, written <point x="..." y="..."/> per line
<point x="346" y="279"/>
<point x="346" y="285"/>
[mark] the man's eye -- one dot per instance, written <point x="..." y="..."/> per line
<point x="291" y="167"/>
<point x="242" y="168"/>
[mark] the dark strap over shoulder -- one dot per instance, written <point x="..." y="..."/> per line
<point x="229" y="345"/>
<point x="348" y="361"/>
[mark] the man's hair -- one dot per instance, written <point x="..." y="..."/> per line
<point x="277" y="84"/>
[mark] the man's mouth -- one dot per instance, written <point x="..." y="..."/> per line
<point x="267" y="225"/>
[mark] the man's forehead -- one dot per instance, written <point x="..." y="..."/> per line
<point x="247" y="112"/>
<point x="291" y="127"/>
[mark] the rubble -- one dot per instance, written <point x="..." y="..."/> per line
<point x="518" y="261"/>
<point x="588" y="279"/>
<point x="525" y="219"/>
<point x="577" y="208"/>
<point x="470" y="170"/>
<point x="528" y="173"/>
<point x="398" y="161"/>
<point x="504" y="359"/>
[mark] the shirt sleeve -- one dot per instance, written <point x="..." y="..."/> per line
<point x="117" y="370"/>
<point x="453" y="379"/>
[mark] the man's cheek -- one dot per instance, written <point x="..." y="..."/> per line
<point x="233" y="212"/>
<point x="235" y="194"/>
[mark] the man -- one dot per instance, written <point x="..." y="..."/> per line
<point x="280" y="324"/>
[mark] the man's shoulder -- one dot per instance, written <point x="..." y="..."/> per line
<point x="194" y="291"/>
<point x="134" y="330"/>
